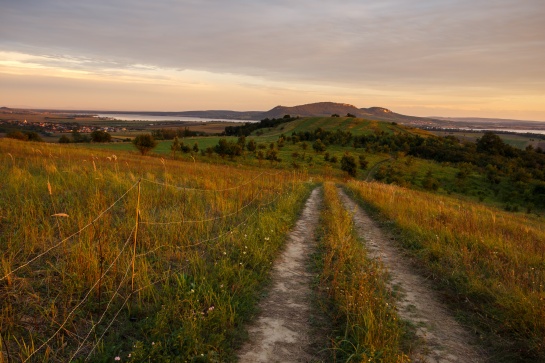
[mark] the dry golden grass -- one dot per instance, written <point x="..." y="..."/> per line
<point x="493" y="259"/>
<point x="371" y="330"/>
<point x="67" y="232"/>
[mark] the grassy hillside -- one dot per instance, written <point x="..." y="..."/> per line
<point x="81" y="275"/>
<point x="356" y="126"/>
<point x="489" y="262"/>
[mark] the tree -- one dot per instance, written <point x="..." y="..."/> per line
<point x="100" y="136"/>
<point x="348" y="164"/>
<point x="363" y="162"/>
<point x="144" y="143"/>
<point x="78" y="137"/>
<point x="64" y="140"/>
<point x="241" y="141"/>
<point x="229" y="148"/>
<point x="492" y="144"/>
<point x="175" y="146"/>
<point x="318" y="146"/>
<point x="251" y="146"/>
<point x="272" y="156"/>
<point x="196" y="147"/>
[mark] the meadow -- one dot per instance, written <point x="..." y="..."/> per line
<point x="490" y="263"/>
<point x="126" y="256"/>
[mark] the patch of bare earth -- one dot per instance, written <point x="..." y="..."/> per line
<point x="443" y="338"/>
<point x="283" y="331"/>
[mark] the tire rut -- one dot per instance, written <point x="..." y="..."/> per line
<point x="445" y="340"/>
<point x="283" y="332"/>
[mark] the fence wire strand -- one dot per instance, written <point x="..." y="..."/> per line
<point x="69" y="237"/>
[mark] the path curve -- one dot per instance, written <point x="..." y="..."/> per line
<point x="282" y="332"/>
<point x="445" y="340"/>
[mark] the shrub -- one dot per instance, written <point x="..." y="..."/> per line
<point x="100" y="136"/>
<point x="144" y="143"/>
<point x="348" y="164"/>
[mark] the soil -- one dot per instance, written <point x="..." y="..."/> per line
<point x="283" y="331"/>
<point x="443" y="339"/>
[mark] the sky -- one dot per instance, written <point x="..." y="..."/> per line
<point x="480" y="58"/>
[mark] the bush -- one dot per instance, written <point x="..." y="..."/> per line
<point x="64" y="140"/>
<point x="363" y="162"/>
<point x="229" y="148"/>
<point x="251" y="146"/>
<point x="318" y="146"/>
<point x="17" y="135"/>
<point x="348" y="164"/>
<point x="144" y="143"/>
<point x="100" y="136"/>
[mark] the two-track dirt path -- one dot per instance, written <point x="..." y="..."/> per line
<point x="283" y="332"/>
<point x="445" y="340"/>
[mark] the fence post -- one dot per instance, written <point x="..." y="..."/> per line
<point x="135" y="234"/>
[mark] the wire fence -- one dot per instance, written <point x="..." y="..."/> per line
<point x="248" y="211"/>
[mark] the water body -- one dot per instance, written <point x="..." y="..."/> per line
<point x="541" y="132"/>
<point x="518" y="131"/>
<point x="152" y="118"/>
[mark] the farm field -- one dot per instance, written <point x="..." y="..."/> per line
<point x="110" y="254"/>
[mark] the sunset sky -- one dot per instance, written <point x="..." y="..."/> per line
<point x="483" y="58"/>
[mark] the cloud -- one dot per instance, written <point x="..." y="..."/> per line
<point x="427" y="54"/>
<point x="394" y="43"/>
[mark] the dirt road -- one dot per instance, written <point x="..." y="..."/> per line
<point x="445" y="340"/>
<point x="283" y="332"/>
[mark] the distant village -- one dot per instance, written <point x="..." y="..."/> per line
<point x="50" y="128"/>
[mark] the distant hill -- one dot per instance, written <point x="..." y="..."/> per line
<point x="326" y="109"/>
<point x="342" y="109"/>
<point x="312" y="109"/>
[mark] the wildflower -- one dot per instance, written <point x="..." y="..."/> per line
<point x="211" y="308"/>
<point x="192" y="291"/>
<point x="152" y="343"/>
<point x="117" y="358"/>
<point x="129" y="355"/>
<point x="266" y="238"/>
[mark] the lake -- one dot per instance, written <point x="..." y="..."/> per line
<point x="151" y="118"/>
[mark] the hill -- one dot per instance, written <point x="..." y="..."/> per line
<point x="356" y="125"/>
<point x="342" y="109"/>
<point x="312" y="109"/>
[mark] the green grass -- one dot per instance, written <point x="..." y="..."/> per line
<point x="360" y="305"/>
<point x="356" y="126"/>
<point x="196" y="278"/>
<point x="489" y="263"/>
<point x="516" y="140"/>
